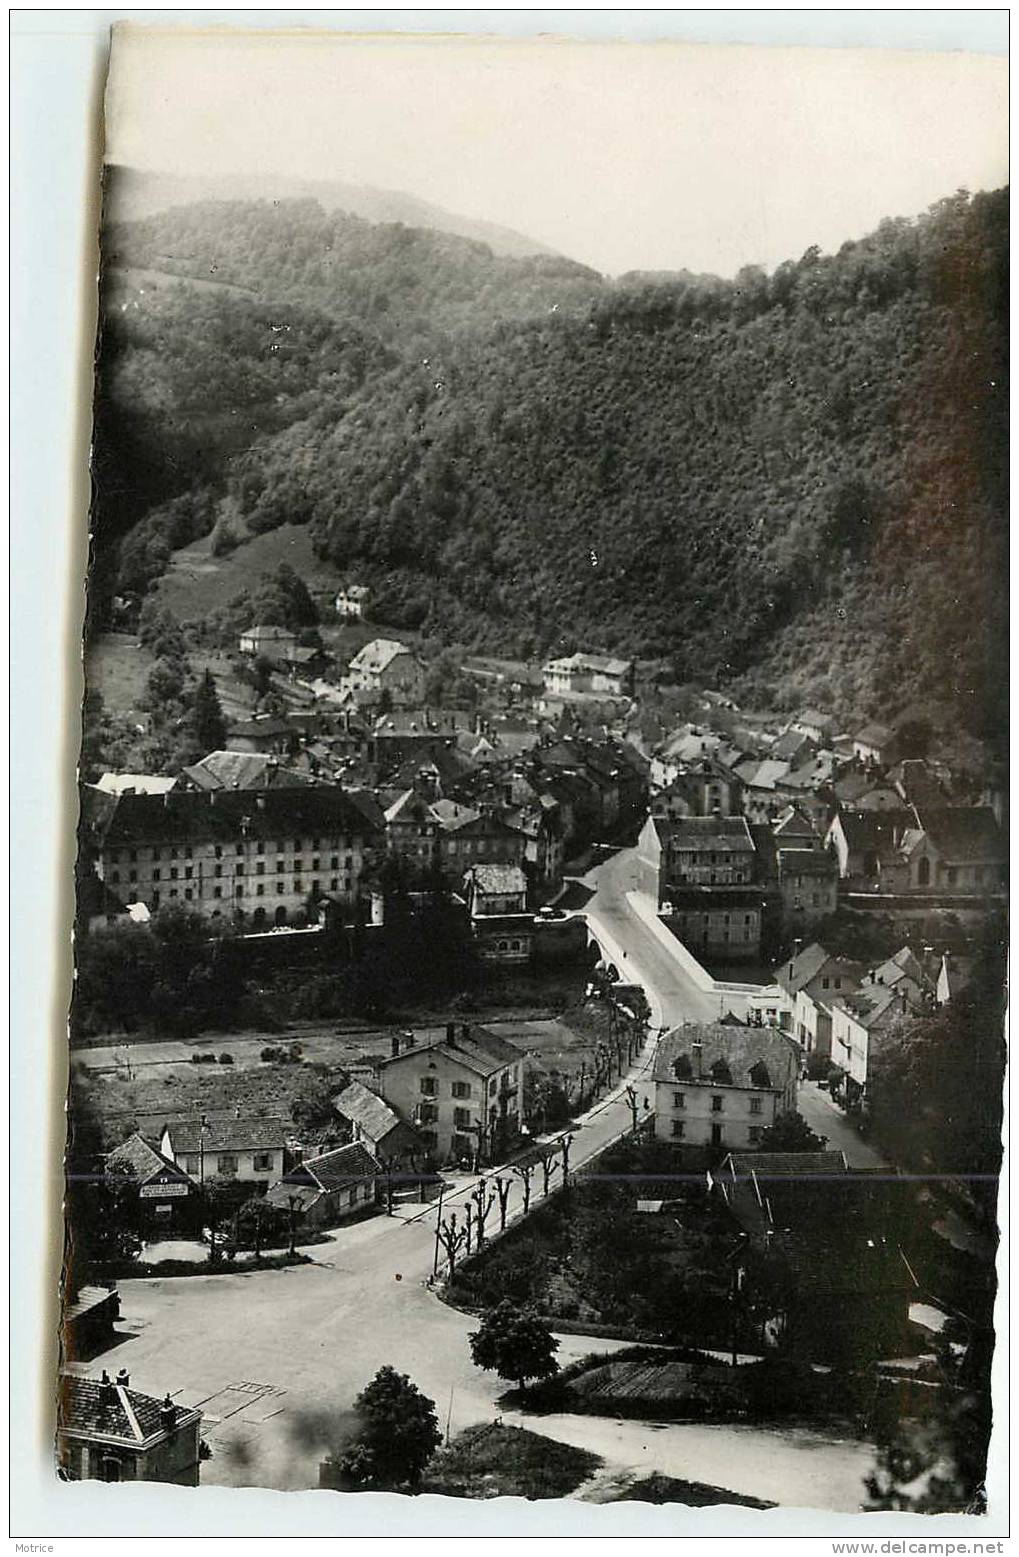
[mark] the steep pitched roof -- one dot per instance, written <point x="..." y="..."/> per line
<point x="724" y="834"/>
<point x="270" y="634"/>
<point x="241" y="770"/>
<point x="375" y="656"/>
<point x="967" y="833"/>
<point x="476" y="1048"/>
<point x="365" y="1108"/>
<point x="807" y="862"/>
<point x="114" y="1413"/>
<point x="143" y="1160"/>
<point x="500" y="880"/>
<point x="761" y="775"/>
<point x="877" y="735"/>
<point x="749" y="1055"/>
<point x="806" y="965"/>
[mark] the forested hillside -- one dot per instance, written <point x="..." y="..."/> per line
<point x="796" y="482"/>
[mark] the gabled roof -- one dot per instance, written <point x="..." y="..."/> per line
<point x="797" y="973"/>
<point x="815" y="718"/>
<point x="241" y="770"/>
<point x="451" y="815"/>
<point x="499" y="880"/>
<point x="143" y="1161"/>
<point x="270" y="634"/>
<point x="876" y="735"/>
<point x="724" y="834"/>
<point x="365" y="1108"/>
<point x="227" y="1133"/>
<point x="135" y="783"/>
<point x="761" y="775"/>
<point x="476" y="1048"/>
<point x="353" y="591"/>
<point x="966" y="833"/>
<point x="874" y="831"/>
<point x="599" y="663"/>
<point x="409" y="807"/>
<point x="342" y="1167"/>
<point x="759" y="1058"/>
<point x="376" y="655"/>
<point x="807" y="862"/>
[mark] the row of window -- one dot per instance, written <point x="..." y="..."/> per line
<point x="462" y="1089"/>
<point x="186" y="851"/>
<point x="226" y="1163"/>
<point x="298" y="890"/>
<point x="717" y="1103"/>
<point x="753" y="1133"/>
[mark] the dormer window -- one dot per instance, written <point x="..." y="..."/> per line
<point x="760" y="1075"/>
<point x="721" y="1074"/>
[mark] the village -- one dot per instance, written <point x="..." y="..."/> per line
<point x="690" y="931"/>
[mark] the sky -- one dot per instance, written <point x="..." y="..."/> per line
<point x="634" y="156"/>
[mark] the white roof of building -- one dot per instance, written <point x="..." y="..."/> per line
<point x="597" y="662"/>
<point x="135" y="784"/>
<point x="375" y="656"/>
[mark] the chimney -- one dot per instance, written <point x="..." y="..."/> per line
<point x="411" y="1040"/>
<point x="167" y="1414"/>
<point x="698" y="1054"/>
<point x="450" y="1032"/>
<point x="123" y="1378"/>
<point x="394" y="1045"/>
<point x="107" y="1391"/>
<point x="465" y="1031"/>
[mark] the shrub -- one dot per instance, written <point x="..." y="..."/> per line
<point x="226" y="1059"/>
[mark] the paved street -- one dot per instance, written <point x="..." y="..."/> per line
<point x="826" y="1118"/>
<point x="276" y="1357"/>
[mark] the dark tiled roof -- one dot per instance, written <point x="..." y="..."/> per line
<point x="226" y="1134"/>
<point x="143" y="1160"/>
<point x="366" y="1109"/>
<point x="184" y="816"/>
<point x="343" y="1166"/>
<point x="476" y="1048"/>
<point x="728" y="834"/>
<point x="89" y="1408"/>
<point x="806" y="965"/>
<point x="965" y="833"/>
<point x="740" y="1048"/>
<point x="874" y="831"/>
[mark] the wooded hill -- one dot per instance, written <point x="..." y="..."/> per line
<point x="795" y="483"/>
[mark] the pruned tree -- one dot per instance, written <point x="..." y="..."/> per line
<point x="525" y="1172"/>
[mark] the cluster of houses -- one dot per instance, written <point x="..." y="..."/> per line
<point x="757" y="832"/>
<point x="455" y="1097"/>
<point x="293" y="820"/>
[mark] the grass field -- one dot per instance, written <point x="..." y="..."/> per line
<point x="117" y="666"/>
<point x="197" y="583"/>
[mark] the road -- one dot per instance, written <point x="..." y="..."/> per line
<point x="826" y="1118"/>
<point x="276" y="1358"/>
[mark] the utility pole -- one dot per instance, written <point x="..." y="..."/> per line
<point x="438" y="1223"/>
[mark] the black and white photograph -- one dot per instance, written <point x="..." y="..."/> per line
<point x="541" y="847"/>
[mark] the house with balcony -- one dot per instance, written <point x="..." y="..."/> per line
<point x="722" y="1085"/>
<point x="463" y="1092"/>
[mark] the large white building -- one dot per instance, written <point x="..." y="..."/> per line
<point x="384" y="665"/>
<point x="463" y="1092"/>
<point x="722" y="1086"/>
<point x="588" y="674"/>
<point x="257" y="856"/>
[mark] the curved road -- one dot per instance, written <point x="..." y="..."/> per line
<point x="276" y="1358"/>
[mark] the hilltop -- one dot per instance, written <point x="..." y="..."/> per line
<point x="133" y="193"/>
<point x="793" y="483"/>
